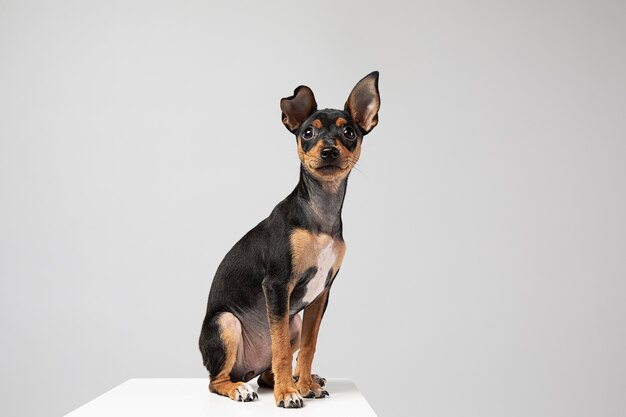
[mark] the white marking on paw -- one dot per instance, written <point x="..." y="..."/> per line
<point x="244" y="390"/>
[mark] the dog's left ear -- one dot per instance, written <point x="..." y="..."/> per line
<point x="364" y="102"/>
<point x="297" y="108"/>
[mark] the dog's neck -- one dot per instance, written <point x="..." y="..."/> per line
<point x="324" y="201"/>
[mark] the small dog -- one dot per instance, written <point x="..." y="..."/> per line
<point x="288" y="262"/>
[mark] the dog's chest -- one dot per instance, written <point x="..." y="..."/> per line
<point x="315" y="260"/>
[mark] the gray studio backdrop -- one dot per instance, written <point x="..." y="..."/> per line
<point x="486" y="224"/>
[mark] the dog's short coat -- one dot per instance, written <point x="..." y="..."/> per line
<point x="288" y="262"/>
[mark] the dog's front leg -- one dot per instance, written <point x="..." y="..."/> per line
<point x="307" y="385"/>
<point x="277" y="303"/>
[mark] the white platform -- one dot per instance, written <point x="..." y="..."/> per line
<point x="190" y="397"/>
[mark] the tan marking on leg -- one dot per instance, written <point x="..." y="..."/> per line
<point x="281" y="347"/>
<point x="285" y="390"/>
<point x="266" y="379"/>
<point x="310" y="329"/>
<point x="231" y="337"/>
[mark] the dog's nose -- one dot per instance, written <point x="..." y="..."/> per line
<point x="330" y="152"/>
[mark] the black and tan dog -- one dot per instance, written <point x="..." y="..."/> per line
<point x="288" y="262"/>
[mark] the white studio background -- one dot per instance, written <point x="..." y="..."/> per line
<point x="486" y="225"/>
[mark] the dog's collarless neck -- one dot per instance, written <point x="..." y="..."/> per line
<point x="322" y="201"/>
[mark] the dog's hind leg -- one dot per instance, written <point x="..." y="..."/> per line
<point x="220" y="342"/>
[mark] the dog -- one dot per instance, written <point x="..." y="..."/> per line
<point x="289" y="261"/>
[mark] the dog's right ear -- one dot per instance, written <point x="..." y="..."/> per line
<point x="297" y="108"/>
<point x="364" y="103"/>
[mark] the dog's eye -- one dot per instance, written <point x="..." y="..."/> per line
<point x="308" y="133"/>
<point x="349" y="133"/>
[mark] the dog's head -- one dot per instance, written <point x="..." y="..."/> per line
<point x="329" y="141"/>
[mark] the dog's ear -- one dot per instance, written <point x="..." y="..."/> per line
<point x="297" y="108"/>
<point x="364" y="102"/>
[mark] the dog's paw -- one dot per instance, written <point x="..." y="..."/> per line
<point x="288" y="397"/>
<point x="243" y="392"/>
<point x="316" y="378"/>
<point x="308" y="388"/>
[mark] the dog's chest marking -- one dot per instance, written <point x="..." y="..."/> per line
<point x="318" y="251"/>
<point x="325" y="261"/>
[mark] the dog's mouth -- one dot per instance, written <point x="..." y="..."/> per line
<point x="329" y="169"/>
